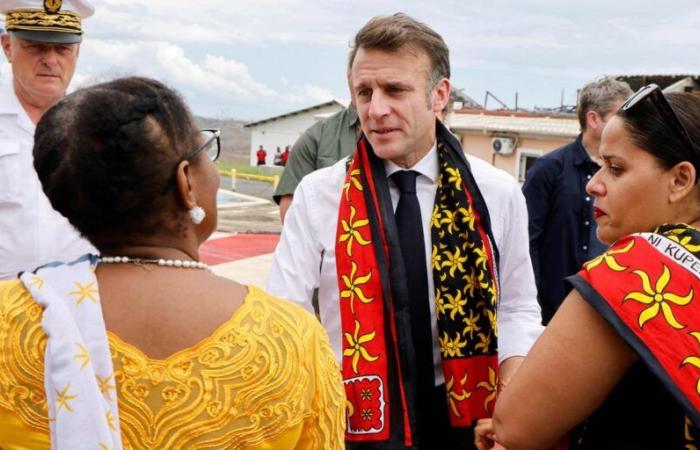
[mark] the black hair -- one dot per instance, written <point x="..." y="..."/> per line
<point x="649" y="131"/>
<point x="106" y="157"/>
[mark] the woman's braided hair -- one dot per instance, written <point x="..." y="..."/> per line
<point x="106" y="156"/>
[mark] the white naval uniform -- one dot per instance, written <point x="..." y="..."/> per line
<point x="31" y="232"/>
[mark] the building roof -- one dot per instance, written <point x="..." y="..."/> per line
<point x="513" y="122"/>
<point x="294" y="113"/>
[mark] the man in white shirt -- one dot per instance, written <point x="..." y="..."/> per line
<point x="371" y="267"/>
<point x="41" y="42"/>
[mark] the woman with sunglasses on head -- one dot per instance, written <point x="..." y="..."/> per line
<point x="622" y="354"/>
<point x="143" y="347"/>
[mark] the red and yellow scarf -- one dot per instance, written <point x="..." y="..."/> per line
<point x="375" y="338"/>
<point x="647" y="286"/>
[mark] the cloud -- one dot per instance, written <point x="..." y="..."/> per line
<point x="214" y="83"/>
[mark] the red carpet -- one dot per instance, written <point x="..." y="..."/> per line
<point x="232" y="248"/>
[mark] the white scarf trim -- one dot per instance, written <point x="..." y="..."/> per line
<point x="78" y="374"/>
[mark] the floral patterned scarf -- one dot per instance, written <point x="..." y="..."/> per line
<point x="377" y="349"/>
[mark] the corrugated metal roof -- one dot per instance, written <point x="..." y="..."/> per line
<point x="519" y="124"/>
<point x="299" y="111"/>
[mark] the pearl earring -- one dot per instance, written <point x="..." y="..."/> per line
<point x="197" y="214"/>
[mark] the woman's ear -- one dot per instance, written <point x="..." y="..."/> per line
<point x="184" y="184"/>
<point x="682" y="182"/>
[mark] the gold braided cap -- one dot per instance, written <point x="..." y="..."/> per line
<point x="40" y="20"/>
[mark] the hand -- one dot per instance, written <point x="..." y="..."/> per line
<point x="485" y="436"/>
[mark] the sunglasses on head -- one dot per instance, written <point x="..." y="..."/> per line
<point x="653" y="93"/>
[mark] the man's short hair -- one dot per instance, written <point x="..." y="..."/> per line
<point x="600" y="96"/>
<point x="391" y="33"/>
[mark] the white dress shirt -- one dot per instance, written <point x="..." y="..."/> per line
<point x="305" y="256"/>
<point x="31" y="232"/>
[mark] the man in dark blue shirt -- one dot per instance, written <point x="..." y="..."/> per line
<point x="562" y="229"/>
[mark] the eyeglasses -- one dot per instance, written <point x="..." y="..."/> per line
<point x="653" y="92"/>
<point x="211" y="143"/>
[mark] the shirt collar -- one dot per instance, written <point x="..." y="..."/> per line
<point x="9" y="104"/>
<point x="427" y="166"/>
<point x="581" y="156"/>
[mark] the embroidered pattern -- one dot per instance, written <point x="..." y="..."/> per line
<point x="217" y="394"/>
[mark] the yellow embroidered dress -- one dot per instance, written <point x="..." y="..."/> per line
<point x="265" y="379"/>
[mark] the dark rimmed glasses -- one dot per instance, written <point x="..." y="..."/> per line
<point x="658" y="99"/>
<point x="211" y="143"/>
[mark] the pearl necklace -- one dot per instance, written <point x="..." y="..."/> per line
<point x="181" y="263"/>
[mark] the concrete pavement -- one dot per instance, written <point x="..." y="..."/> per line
<point x="247" y="233"/>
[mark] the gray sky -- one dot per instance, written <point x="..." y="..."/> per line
<point x="251" y="59"/>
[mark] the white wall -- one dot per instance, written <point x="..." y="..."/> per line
<point x="283" y="132"/>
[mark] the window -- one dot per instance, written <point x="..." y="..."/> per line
<point x="526" y="158"/>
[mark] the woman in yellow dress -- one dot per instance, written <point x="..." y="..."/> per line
<point x="143" y="347"/>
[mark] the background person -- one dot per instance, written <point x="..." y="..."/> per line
<point x="321" y="145"/>
<point x="261" y="154"/>
<point x="560" y="211"/>
<point x="42" y="44"/>
<point x="622" y="351"/>
<point x="194" y="360"/>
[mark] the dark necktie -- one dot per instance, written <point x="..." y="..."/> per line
<point x="410" y="228"/>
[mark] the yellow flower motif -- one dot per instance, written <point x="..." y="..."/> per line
<point x="471" y="282"/>
<point x="436" y="217"/>
<point x="82" y="354"/>
<point x="694" y="360"/>
<point x="356" y="349"/>
<point x="609" y="260"/>
<point x="455" y="261"/>
<point x="484" y="341"/>
<point x="468" y="216"/>
<point x="658" y="299"/>
<point x="105" y="386"/>
<point x="435" y="258"/>
<point x="104" y="447"/>
<point x="493" y="321"/>
<point x="491" y="386"/>
<point x="37" y="281"/>
<point x="440" y="302"/>
<point x="110" y="420"/>
<point x="453" y="397"/>
<point x="451" y="347"/>
<point x="63" y="399"/>
<point x="470" y="324"/>
<point x="351" y="232"/>
<point x="454" y="177"/>
<point x="675" y="236"/>
<point x="354" y="181"/>
<point x="451" y="219"/>
<point x="455" y="304"/>
<point x="480" y="257"/>
<point x="353" y="287"/>
<point x="87" y="291"/>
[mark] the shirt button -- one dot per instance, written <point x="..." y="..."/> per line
<point x="588" y="199"/>
<point x="588" y="177"/>
<point x="586" y="223"/>
<point x="585" y="247"/>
